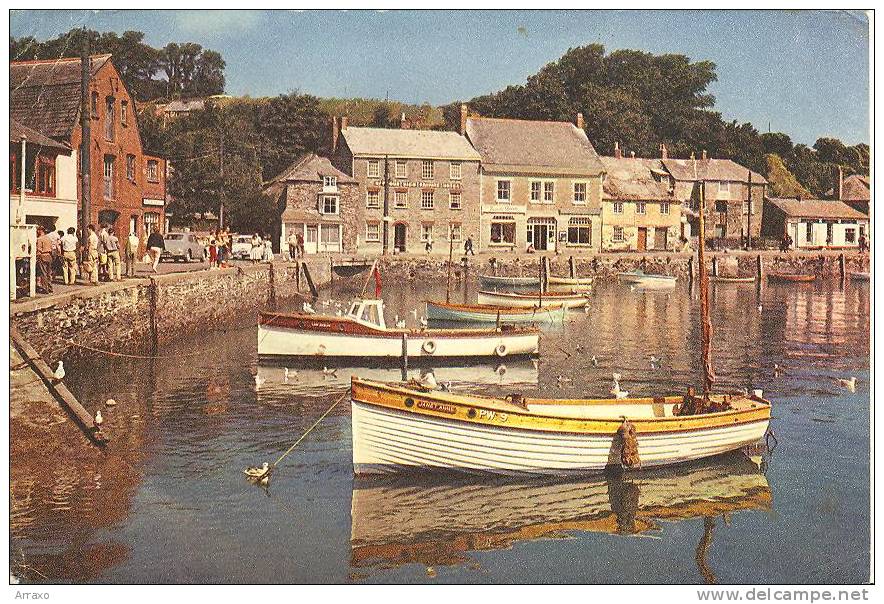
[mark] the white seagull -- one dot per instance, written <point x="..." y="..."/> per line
<point x="256" y="472"/>
<point x="849" y="383"/>
<point x="110" y="402"/>
<point x="98" y="419"/>
<point x="307" y="308"/>
<point x="333" y="371"/>
<point x="59" y="371"/>
<point x="429" y="380"/>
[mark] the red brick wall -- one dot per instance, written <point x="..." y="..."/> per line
<point x="128" y="193"/>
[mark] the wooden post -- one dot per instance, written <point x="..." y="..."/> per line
<point x="405" y="353"/>
<point x="715" y="266"/>
<point x="691" y="270"/>
<point x="271" y="279"/>
<point x="448" y="281"/>
<point x="540" y="285"/>
<point x="572" y="270"/>
<point x="842" y="266"/>
<point x="759" y="268"/>
<point x="309" y="279"/>
<point x="153" y="302"/>
<point x="708" y="372"/>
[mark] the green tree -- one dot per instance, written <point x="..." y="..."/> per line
<point x="289" y="126"/>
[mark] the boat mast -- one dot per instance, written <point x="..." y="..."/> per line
<point x="450" y="255"/>
<point x="708" y="372"/>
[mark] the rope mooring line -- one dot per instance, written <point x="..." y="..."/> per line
<point x="310" y="429"/>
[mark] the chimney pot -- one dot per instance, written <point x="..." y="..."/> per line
<point x="839" y="191"/>
<point x="632" y="154"/>
<point x="663" y="152"/>
<point x="463" y="118"/>
<point x="344" y="122"/>
<point x="617" y="152"/>
<point x="580" y="123"/>
<point x="693" y="156"/>
<point x="336" y="132"/>
<point x="703" y="155"/>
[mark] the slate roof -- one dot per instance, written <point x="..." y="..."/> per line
<point x="856" y="188"/>
<point x="307" y="168"/>
<point x="17" y="130"/>
<point x="711" y="169"/>
<point x="816" y="208"/>
<point x="631" y="178"/>
<point x="537" y="147"/>
<point x="45" y="95"/>
<point x="430" y="144"/>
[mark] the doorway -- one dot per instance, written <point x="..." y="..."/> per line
<point x="542" y="233"/>
<point x="399" y="236"/>
<point x="661" y="238"/>
<point x="311" y="239"/>
<point x="642" y="239"/>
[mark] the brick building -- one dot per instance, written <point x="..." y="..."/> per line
<point x="734" y="196"/>
<point x="127" y="185"/>
<point x="414" y="186"/>
<point x="541" y="184"/>
<point x="318" y="201"/>
<point x="639" y="208"/>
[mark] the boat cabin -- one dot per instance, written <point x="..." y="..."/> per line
<point x="368" y="312"/>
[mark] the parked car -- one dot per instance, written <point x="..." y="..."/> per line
<point x="183" y="246"/>
<point x="242" y="246"/>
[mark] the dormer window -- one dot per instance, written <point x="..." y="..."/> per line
<point x="329" y="182"/>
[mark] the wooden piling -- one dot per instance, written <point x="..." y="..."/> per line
<point x="404" y="353"/>
<point x="309" y="279"/>
<point x="759" y="272"/>
<point x="572" y="271"/>
<point x="153" y="303"/>
<point x="271" y="280"/>
<point x="842" y="266"/>
<point x="714" y="266"/>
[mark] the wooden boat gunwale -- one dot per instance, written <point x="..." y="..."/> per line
<point x="791" y="277"/>
<point x="492" y="308"/>
<point x="720" y="279"/>
<point x="553" y="280"/>
<point x="509" y="280"/>
<point x="536" y="295"/>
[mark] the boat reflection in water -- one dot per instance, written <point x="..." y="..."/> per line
<point x="311" y="379"/>
<point x="435" y="521"/>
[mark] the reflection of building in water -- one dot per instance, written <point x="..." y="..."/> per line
<point x="412" y="520"/>
<point x="821" y="323"/>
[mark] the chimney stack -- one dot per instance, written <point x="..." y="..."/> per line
<point x="344" y="121"/>
<point x="693" y="155"/>
<point x="402" y="123"/>
<point x="703" y="155"/>
<point x="839" y="189"/>
<point x="580" y="123"/>
<point x="663" y="152"/>
<point x="463" y="118"/>
<point x="336" y="132"/>
<point x="617" y="152"/>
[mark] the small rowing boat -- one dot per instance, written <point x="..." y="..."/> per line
<point x="641" y="278"/>
<point x="790" y="278"/>
<point x="533" y="299"/>
<point x="860" y="276"/>
<point x="503" y="281"/>
<point x="363" y="334"/>
<point x="397" y="427"/>
<point x="570" y="280"/>
<point x="487" y="313"/>
<point x="720" y="279"/>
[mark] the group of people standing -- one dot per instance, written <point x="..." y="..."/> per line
<point x="97" y="256"/>
<point x="220" y="248"/>
<point x="262" y="250"/>
<point x="296" y="246"/>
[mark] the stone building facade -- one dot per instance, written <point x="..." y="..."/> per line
<point x="815" y="223"/>
<point x="416" y="187"/>
<point x="128" y="186"/>
<point x="319" y="202"/>
<point x="541" y="184"/>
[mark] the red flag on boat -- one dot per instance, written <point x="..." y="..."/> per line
<point x="377" y="283"/>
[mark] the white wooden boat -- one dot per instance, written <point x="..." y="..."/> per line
<point x="397" y="428"/>
<point x="721" y="279"/>
<point x="570" y="280"/>
<point x="642" y="278"/>
<point x="486" y="313"/>
<point x="505" y="281"/>
<point x="408" y="519"/>
<point x="533" y="299"/>
<point x="362" y="333"/>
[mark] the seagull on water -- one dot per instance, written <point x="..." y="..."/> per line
<point x="257" y="472"/>
<point x="594" y="361"/>
<point x="849" y="383"/>
<point x="333" y="371"/>
<point x="615" y="388"/>
<point x="308" y="308"/>
<point x="110" y="402"/>
<point x="655" y="362"/>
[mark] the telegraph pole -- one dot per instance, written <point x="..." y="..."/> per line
<point x="223" y="184"/>
<point x="86" y="132"/>
<point x="386" y="220"/>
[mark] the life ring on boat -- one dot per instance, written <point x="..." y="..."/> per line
<point x="429" y="347"/>
<point x="500" y="350"/>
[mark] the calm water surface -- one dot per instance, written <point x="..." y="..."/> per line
<point x="168" y="502"/>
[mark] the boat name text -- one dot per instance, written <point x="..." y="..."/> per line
<point x="441" y="407"/>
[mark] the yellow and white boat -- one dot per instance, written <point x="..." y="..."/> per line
<point x="399" y="427"/>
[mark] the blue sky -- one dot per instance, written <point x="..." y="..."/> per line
<point x="805" y="72"/>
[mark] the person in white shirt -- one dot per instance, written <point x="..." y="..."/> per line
<point x="69" y="254"/>
<point x="132" y="244"/>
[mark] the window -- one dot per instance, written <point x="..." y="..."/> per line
<point x="329" y="235"/>
<point x="153" y="170"/>
<point x="427" y="171"/>
<point x="124" y="113"/>
<point x="373" y="199"/>
<point x="579" y="231"/>
<point x="427" y="200"/>
<point x="373" y="170"/>
<point x="808" y="234"/>
<point x="503" y="191"/>
<point x="151" y="222"/>
<point x="454" y="200"/>
<point x="401" y="168"/>
<point x="618" y="207"/>
<point x="724" y="187"/>
<point x="618" y="233"/>
<point x="454" y="231"/>
<point x="329" y="204"/>
<point x="109" y="176"/>
<point x="640" y="207"/>
<point x="95" y="105"/>
<point x="330" y="182"/>
<point x="109" y="119"/>
<point x="503" y="230"/>
<point x="426" y="232"/>
<point x="45" y="181"/>
<point x="548" y="192"/>
<point x="373" y="231"/>
<point x="721" y="207"/>
<point x="454" y="170"/>
<point x="536" y="191"/>
<point x="580" y="193"/>
<point x="664" y="207"/>
<point x="400" y="199"/>
<point x="850" y="235"/>
<point x="130" y="167"/>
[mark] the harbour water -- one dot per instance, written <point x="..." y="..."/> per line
<point x="168" y="502"/>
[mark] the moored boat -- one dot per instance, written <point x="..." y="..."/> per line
<point x="641" y="278"/>
<point x="534" y="299"/>
<point x="487" y="313"/>
<point x="570" y="280"/>
<point x="791" y="277"/>
<point x="504" y="281"/>
<point x="399" y="427"/>
<point x="362" y="333"/>
<point x="720" y="279"/>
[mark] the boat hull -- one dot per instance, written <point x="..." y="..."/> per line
<point x="529" y="300"/>
<point x="489" y="314"/>
<point x="732" y="279"/>
<point x="790" y="278"/>
<point x="500" y="280"/>
<point x="276" y="341"/>
<point x="642" y="279"/>
<point x="570" y="280"/>
<point x="440" y="433"/>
